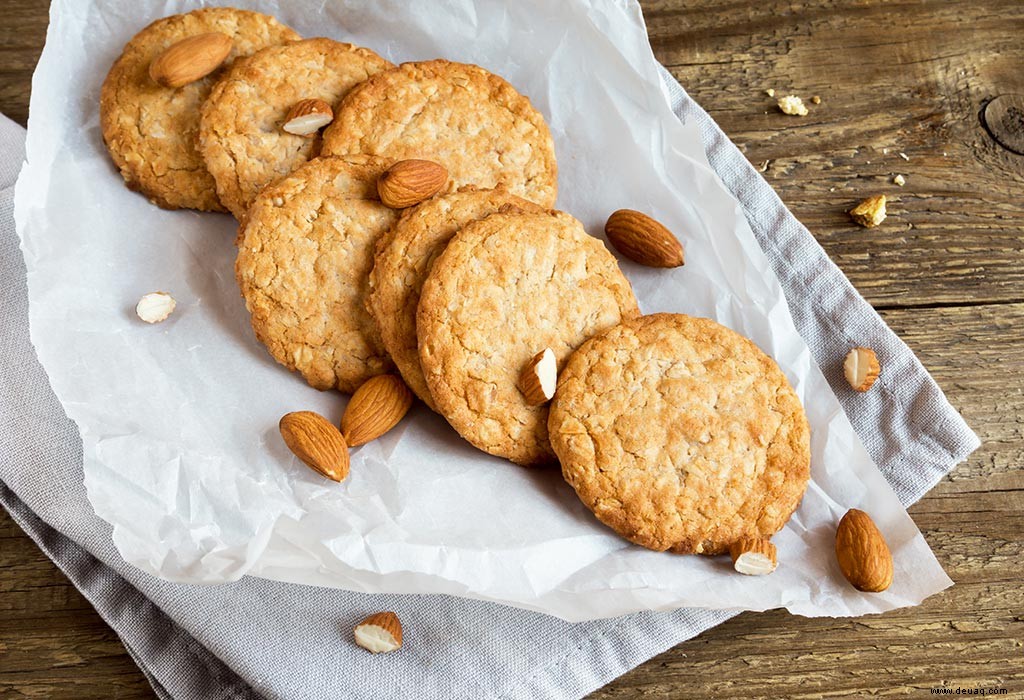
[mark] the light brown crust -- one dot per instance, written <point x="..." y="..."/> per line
<point x="681" y="434"/>
<point x="506" y="287"/>
<point x="151" y="130"/>
<point x="462" y="116"/>
<point x="304" y="255"/>
<point x="403" y="258"/>
<point x="240" y="134"/>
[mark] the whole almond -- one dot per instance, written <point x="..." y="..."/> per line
<point x="642" y="239"/>
<point x="380" y="632"/>
<point x="409" y="182"/>
<point x="314" y="439"/>
<point x="538" y="378"/>
<point x="754" y="556"/>
<point x="861" y="368"/>
<point x="307" y="117"/>
<point x="375" y="408"/>
<point x="190" y="59"/>
<point x="863" y="555"/>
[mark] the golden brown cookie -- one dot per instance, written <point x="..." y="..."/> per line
<point x="680" y="434"/>
<point x="505" y="288"/>
<point x="403" y="258"/>
<point x="151" y="130"/>
<point x="304" y="256"/>
<point x="240" y="134"/>
<point x="469" y="120"/>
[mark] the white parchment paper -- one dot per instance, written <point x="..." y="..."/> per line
<point x="179" y="420"/>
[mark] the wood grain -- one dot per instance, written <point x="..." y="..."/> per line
<point x="946" y="270"/>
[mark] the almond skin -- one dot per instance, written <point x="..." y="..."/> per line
<point x="862" y="552"/>
<point x="190" y="59"/>
<point x="409" y="182"/>
<point x="314" y="439"/>
<point x="642" y="239"/>
<point x="307" y="117"/>
<point x="754" y="556"/>
<point x="376" y="407"/>
<point x="380" y="632"/>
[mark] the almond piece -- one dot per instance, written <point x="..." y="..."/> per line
<point x="375" y="408"/>
<point x="409" y="182"/>
<point x="314" y="439"/>
<point x="155" y="307"/>
<point x="380" y="632"/>
<point x="870" y="212"/>
<point x="863" y="555"/>
<point x="861" y="368"/>
<point x="539" y="377"/>
<point x="307" y="117"/>
<point x="754" y="556"/>
<point x="190" y="59"/>
<point x="642" y="239"/>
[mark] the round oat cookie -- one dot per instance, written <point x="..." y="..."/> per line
<point x="304" y="256"/>
<point x="240" y="134"/>
<point x="151" y="130"/>
<point x="680" y="434"/>
<point x="403" y="258"/>
<point x="505" y="288"/>
<point x="462" y="116"/>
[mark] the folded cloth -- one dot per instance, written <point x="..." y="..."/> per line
<point x="260" y="638"/>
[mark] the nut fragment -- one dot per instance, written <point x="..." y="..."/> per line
<point x="380" y="632"/>
<point x="314" y="439"/>
<point x="375" y="408"/>
<point x="642" y="239"/>
<point x="155" y="307"/>
<point x="862" y="552"/>
<point x="899" y="180"/>
<point x="870" y="212"/>
<point x="770" y="92"/>
<point x="754" y="557"/>
<point x="538" y="379"/>
<point x="861" y="368"/>
<point x="190" y="59"/>
<point x="816" y="100"/>
<point x="307" y="117"/>
<point x="409" y="182"/>
<point x="793" y="105"/>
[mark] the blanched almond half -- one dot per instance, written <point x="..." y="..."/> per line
<point x="539" y="378"/>
<point x="754" y="557"/>
<point x="380" y="632"/>
<point x="307" y="117"/>
<point x="861" y="368"/>
<point x="155" y="307"/>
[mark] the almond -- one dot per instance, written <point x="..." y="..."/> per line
<point x="380" y="632"/>
<point x="307" y="117"/>
<point x="314" y="439"/>
<point x="754" y="556"/>
<point x="190" y="59"/>
<point x="642" y="239"/>
<point x="409" y="182"/>
<point x="861" y="368"/>
<point x="376" y="407"/>
<point x="155" y="307"/>
<point x="863" y="555"/>
<point x="870" y="212"/>
<point x="539" y="377"/>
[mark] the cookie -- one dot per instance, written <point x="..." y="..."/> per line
<point x="403" y="258"/>
<point x="240" y="134"/>
<point x="151" y="130"/>
<point x="469" y="120"/>
<point x="505" y="288"/>
<point x="304" y="256"/>
<point x="680" y="434"/>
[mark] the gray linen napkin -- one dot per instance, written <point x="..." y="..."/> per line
<point x="258" y="638"/>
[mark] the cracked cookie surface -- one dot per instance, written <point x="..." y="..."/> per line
<point x="403" y="259"/>
<point x="681" y="434"/>
<point x="150" y="131"/>
<point x="505" y="288"/>
<point x="304" y="256"/>
<point x="462" y="116"/>
<point x="240" y="134"/>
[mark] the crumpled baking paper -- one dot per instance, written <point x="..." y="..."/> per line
<point x="179" y="420"/>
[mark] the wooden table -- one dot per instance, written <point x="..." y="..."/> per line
<point x="902" y="87"/>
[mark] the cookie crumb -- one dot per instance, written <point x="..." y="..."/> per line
<point x="763" y="167"/>
<point x="792" y="105"/>
<point x="899" y="180"/>
<point x="870" y="212"/>
<point x="770" y="92"/>
<point x="904" y="156"/>
<point x="816" y="100"/>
